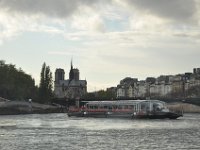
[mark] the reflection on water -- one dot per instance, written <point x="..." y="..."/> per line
<point x="58" y="131"/>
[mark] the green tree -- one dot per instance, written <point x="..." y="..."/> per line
<point x="193" y="91"/>
<point x="15" y="84"/>
<point x="100" y="95"/>
<point x="105" y="95"/>
<point x="46" y="84"/>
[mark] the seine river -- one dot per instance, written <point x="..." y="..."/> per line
<point x="59" y="132"/>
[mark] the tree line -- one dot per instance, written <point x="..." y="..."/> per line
<point x="15" y="84"/>
<point x="99" y="95"/>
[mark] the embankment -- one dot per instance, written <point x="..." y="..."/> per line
<point x="185" y="107"/>
<point x="18" y="107"/>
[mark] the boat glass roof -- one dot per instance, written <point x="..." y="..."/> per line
<point x="122" y="102"/>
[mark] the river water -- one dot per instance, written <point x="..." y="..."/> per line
<point x="59" y="132"/>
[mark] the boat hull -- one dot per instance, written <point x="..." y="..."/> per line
<point x="165" y="115"/>
<point x="160" y="115"/>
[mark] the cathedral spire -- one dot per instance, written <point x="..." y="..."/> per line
<point x="71" y="73"/>
<point x="71" y="63"/>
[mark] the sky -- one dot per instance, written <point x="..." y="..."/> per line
<point x="108" y="40"/>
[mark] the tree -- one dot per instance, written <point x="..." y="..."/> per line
<point x="46" y="84"/>
<point x="194" y="91"/>
<point x="100" y="95"/>
<point x="15" y="84"/>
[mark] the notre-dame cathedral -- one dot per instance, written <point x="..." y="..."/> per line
<point x="73" y="88"/>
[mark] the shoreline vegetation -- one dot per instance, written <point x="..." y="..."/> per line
<point x="17" y="85"/>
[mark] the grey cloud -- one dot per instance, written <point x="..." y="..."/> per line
<point x="177" y="10"/>
<point x="181" y="10"/>
<point x="188" y="35"/>
<point x="53" y="8"/>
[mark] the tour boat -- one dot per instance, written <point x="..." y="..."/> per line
<point x="151" y="109"/>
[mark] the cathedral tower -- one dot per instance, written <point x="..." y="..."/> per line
<point x="59" y="75"/>
<point x="74" y="73"/>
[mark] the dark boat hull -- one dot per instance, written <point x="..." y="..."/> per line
<point x="101" y="114"/>
<point x="159" y="115"/>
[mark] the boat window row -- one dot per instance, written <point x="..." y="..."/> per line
<point x="110" y="107"/>
<point x="144" y="106"/>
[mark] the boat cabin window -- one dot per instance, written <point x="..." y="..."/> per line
<point x="114" y="107"/>
<point x="158" y="106"/>
<point x="125" y="107"/>
<point x="93" y="107"/>
<point x="130" y="107"/>
<point x="143" y="106"/>
<point x="119" y="107"/>
<point x="109" y="107"/>
<point x="101" y="107"/>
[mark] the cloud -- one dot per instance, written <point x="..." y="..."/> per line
<point x="51" y="8"/>
<point x="94" y="19"/>
<point x="87" y="22"/>
<point x="174" y="10"/>
<point x="52" y="16"/>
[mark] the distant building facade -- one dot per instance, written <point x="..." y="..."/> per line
<point x="125" y="88"/>
<point x="162" y="86"/>
<point x="72" y="88"/>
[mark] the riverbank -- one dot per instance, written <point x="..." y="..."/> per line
<point x="19" y="107"/>
<point x="185" y="107"/>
